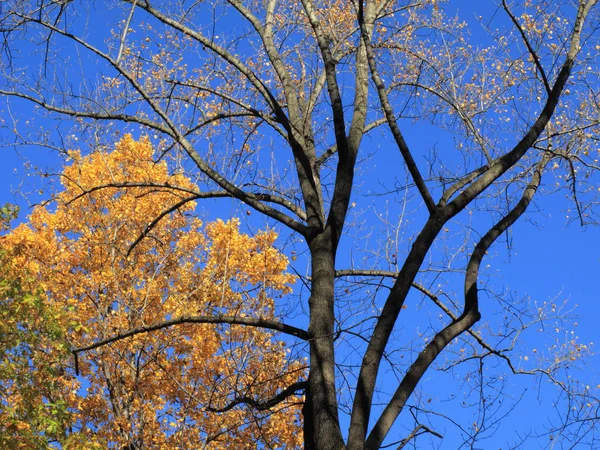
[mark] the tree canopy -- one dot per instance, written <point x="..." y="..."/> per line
<point x="94" y="278"/>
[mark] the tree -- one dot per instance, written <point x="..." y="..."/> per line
<point x="156" y="389"/>
<point x="30" y="336"/>
<point x="290" y="109"/>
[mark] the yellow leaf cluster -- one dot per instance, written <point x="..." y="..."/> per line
<point x="158" y="389"/>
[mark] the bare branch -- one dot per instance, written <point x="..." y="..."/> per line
<point x="196" y="195"/>
<point x="221" y="52"/>
<point x="574" y="191"/>
<point x="266" y="404"/>
<point x="461" y="324"/>
<point x="88" y="115"/>
<point x="256" y="322"/>
<point x="508" y="160"/>
<point x="126" y="184"/>
<point x="272" y="121"/>
<point x="461" y="183"/>
<point x="266" y="34"/>
<point x="125" y="31"/>
<point x="416" y="432"/>
<point x="391" y="119"/>
<point x="157" y="219"/>
<point x="530" y="49"/>
<point x="173" y="131"/>
<point x="330" y="75"/>
<point x="333" y="149"/>
<point x="433" y="297"/>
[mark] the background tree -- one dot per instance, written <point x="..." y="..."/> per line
<point x="291" y="109"/>
<point x="154" y="389"/>
<point x="30" y="337"/>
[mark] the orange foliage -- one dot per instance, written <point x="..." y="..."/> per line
<point x="155" y="390"/>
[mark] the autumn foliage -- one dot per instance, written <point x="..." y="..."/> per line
<point x="94" y="263"/>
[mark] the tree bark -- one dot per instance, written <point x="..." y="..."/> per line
<point x="321" y="422"/>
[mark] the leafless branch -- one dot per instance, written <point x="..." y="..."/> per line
<point x="265" y="404"/>
<point x="256" y="322"/>
<point x="391" y="119"/>
<point x="530" y="49"/>
<point x="420" y="429"/>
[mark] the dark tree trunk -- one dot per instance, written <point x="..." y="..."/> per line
<point x="321" y="427"/>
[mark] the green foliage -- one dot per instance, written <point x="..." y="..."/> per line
<point x="8" y="212"/>
<point x="33" y="354"/>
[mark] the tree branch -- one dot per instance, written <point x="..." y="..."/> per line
<point x="433" y="297"/>
<point x="88" y="115"/>
<point x="391" y="119"/>
<point x="128" y="184"/>
<point x="264" y="405"/>
<point x="157" y="219"/>
<point x="530" y="49"/>
<point x="463" y="323"/>
<point x="508" y="160"/>
<point x="262" y="196"/>
<point x="221" y="52"/>
<point x="266" y="117"/>
<point x="256" y="322"/>
<point x="266" y="35"/>
<point x="333" y="149"/>
<point x="461" y="183"/>
<point x="416" y="432"/>
<point x="172" y="131"/>
<point x="125" y="31"/>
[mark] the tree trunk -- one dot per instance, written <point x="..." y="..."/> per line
<point x="321" y="424"/>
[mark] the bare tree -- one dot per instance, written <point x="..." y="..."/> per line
<point x="292" y="109"/>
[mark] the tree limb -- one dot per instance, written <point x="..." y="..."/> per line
<point x="433" y="297"/>
<point x="256" y="322"/>
<point x="416" y="432"/>
<point x="391" y="119"/>
<point x="508" y="160"/>
<point x="530" y="49"/>
<point x="264" y="405"/>
<point x="459" y="325"/>
<point x="157" y="219"/>
<point x="88" y="115"/>
<point x="262" y="196"/>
